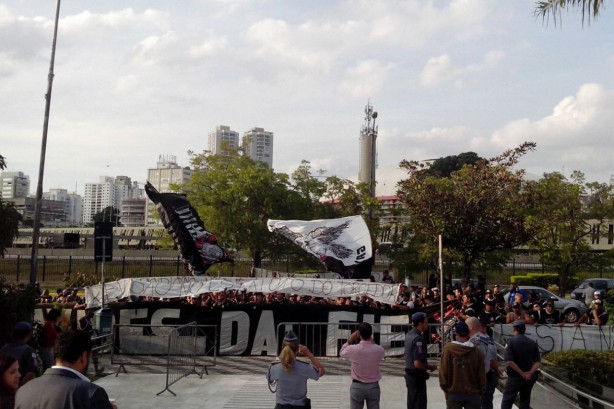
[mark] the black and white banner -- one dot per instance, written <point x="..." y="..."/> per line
<point x="176" y="287"/>
<point x="198" y="247"/>
<point x="343" y="245"/>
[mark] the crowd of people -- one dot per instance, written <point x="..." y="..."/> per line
<point x="475" y="307"/>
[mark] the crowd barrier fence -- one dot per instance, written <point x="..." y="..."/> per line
<point x="164" y="345"/>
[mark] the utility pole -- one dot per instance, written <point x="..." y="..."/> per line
<point x="41" y="167"/>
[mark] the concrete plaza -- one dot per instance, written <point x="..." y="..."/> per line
<point x="239" y="383"/>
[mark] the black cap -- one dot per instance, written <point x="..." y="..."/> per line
<point x="461" y="328"/>
<point x="291" y="337"/>
<point x="518" y="324"/>
<point x="418" y="317"/>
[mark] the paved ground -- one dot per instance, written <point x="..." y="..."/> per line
<point x="239" y="383"/>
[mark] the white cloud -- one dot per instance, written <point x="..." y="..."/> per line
<point x="366" y="78"/>
<point x="439" y="70"/>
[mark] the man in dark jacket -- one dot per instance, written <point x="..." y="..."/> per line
<point x="65" y="385"/>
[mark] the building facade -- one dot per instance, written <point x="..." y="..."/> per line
<point x="258" y="145"/>
<point x="223" y="141"/>
<point x="168" y="172"/>
<point x="14" y="185"/>
<point x="73" y="205"/>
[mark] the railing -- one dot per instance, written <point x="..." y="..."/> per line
<point x="551" y="389"/>
<point x="181" y="356"/>
<point x="138" y="345"/>
<point x="326" y="338"/>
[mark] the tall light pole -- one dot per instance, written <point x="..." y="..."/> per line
<point x="41" y="166"/>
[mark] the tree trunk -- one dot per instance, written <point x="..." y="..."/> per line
<point x="256" y="259"/>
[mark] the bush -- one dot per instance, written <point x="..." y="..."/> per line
<point x="593" y="366"/>
<point x="80" y="280"/>
<point x="536" y="279"/>
<point x="17" y="304"/>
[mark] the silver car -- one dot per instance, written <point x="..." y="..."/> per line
<point x="572" y="310"/>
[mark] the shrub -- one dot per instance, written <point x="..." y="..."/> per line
<point x="81" y="280"/>
<point x="591" y="366"/>
<point x="16" y="304"/>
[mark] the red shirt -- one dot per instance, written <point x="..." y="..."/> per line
<point x="50" y="334"/>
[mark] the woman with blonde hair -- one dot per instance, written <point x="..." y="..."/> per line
<point x="290" y="374"/>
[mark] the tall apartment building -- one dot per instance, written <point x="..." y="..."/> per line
<point x="14" y="185"/>
<point x="98" y="196"/>
<point x="107" y="192"/>
<point x="258" y="145"/>
<point x="223" y="141"/>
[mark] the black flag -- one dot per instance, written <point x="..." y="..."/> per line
<point x="198" y="247"/>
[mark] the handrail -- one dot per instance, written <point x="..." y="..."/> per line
<point x="563" y="386"/>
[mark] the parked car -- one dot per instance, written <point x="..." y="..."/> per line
<point x="599" y="284"/>
<point x="570" y="308"/>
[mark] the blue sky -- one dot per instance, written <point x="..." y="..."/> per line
<point x="139" y="79"/>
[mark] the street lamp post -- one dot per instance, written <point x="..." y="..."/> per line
<point x="41" y="167"/>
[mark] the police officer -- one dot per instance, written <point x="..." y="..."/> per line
<point x="416" y="365"/>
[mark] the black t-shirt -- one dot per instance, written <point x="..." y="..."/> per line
<point x="546" y="318"/>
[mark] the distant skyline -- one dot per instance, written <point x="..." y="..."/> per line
<point x="141" y="78"/>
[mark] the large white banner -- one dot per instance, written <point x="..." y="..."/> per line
<point x="346" y="239"/>
<point x="173" y="287"/>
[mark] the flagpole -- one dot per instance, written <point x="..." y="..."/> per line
<point x="41" y="166"/>
<point x="442" y="294"/>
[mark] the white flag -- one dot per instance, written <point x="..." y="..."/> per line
<point x="346" y="239"/>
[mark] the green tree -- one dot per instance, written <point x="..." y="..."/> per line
<point x="590" y="8"/>
<point x="108" y="214"/>
<point x="566" y="217"/>
<point x="478" y="209"/>
<point x="235" y="196"/>
<point x="9" y="219"/>
<point x="443" y="167"/>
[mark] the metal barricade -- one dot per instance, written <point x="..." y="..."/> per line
<point x="326" y="338"/>
<point x="181" y="356"/>
<point x="147" y="345"/>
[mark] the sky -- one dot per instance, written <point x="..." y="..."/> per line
<point x="136" y="79"/>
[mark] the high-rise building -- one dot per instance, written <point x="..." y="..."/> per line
<point x="14" y="185"/>
<point x="223" y="141"/>
<point x="108" y="192"/>
<point x="258" y="145"/>
<point x="98" y="196"/>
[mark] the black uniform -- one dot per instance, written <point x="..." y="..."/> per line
<point x="415" y="379"/>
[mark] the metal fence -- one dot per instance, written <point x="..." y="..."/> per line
<point x="325" y="339"/>
<point x="149" y="346"/>
<point x="556" y="388"/>
<point x="181" y="355"/>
